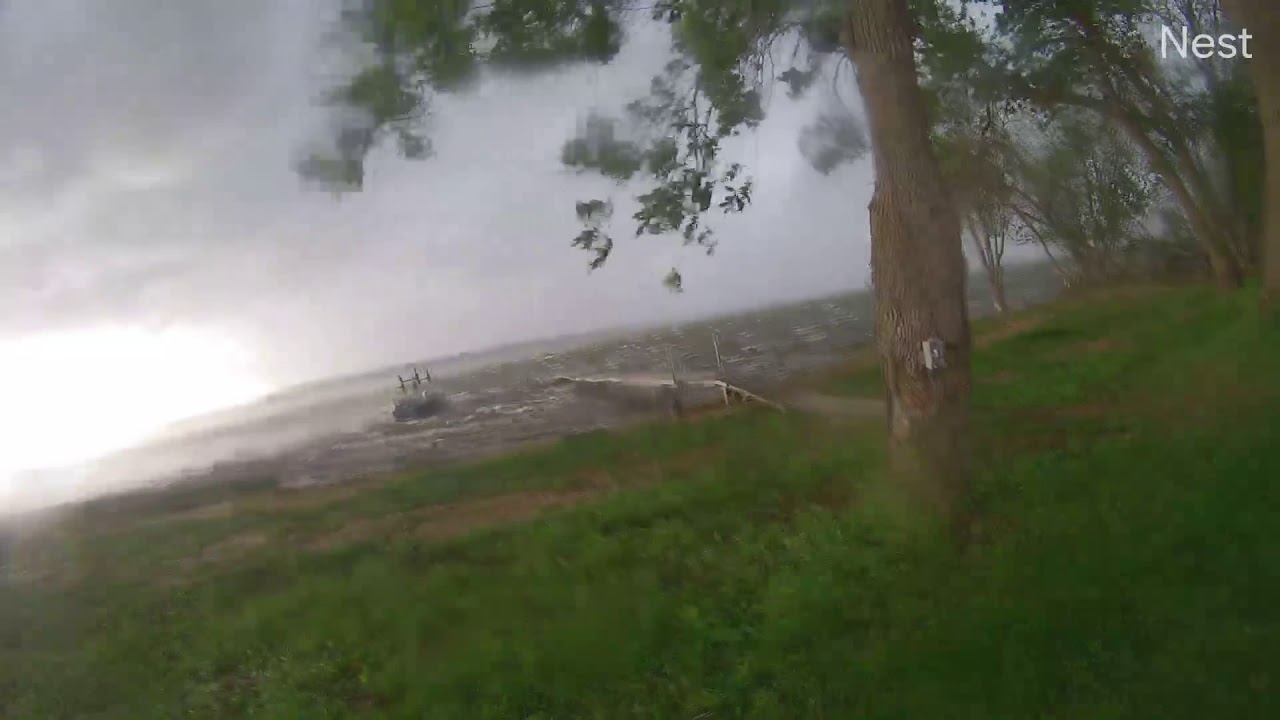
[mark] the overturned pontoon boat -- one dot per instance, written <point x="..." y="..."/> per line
<point x="425" y="404"/>
<point x="419" y="407"/>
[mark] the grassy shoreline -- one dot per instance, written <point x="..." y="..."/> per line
<point x="734" y="566"/>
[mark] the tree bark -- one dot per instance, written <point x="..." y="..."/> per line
<point x="1261" y="19"/>
<point x="917" y="268"/>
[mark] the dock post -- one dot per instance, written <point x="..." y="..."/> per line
<point x="677" y="405"/>
<point x="715" y="342"/>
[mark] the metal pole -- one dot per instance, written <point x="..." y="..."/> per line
<point x="677" y="407"/>
<point x="715" y="342"/>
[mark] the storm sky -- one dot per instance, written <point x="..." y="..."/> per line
<point x="145" y="178"/>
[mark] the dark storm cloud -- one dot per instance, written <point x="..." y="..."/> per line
<point x="145" y="176"/>
<point x="104" y="85"/>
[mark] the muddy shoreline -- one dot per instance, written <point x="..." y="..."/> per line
<point x="475" y="426"/>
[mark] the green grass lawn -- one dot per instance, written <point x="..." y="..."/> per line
<point x="738" y="566"/>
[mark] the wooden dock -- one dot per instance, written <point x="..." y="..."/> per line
<point x="671" y="386"/>
<point x="656" y="381"/>
<point x="642" y="380"/>
<point x="746" y="396"/>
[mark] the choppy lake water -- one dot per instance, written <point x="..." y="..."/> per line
<point x="342" y="429"/>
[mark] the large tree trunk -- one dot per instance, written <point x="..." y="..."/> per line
<point x="1269" y="108"/>
<point x="917" y="267"/>
<point x="1262" y="19"/>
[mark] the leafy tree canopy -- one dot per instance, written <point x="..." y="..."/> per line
<point x="727" y="56"/>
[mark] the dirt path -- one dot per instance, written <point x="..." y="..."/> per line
<point x="834" y="406"/>
<point x="461" y="517"/>
<point x="451" y="520"/>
